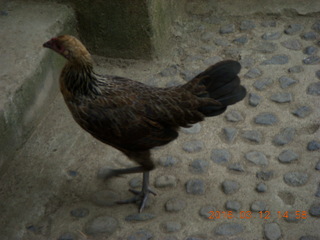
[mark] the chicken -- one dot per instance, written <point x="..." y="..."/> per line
<point x="133" y="117"/>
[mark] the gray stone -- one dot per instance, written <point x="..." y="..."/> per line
<point x="285" y="136"/>
<point x="236" y="167"/>
<point x="253" y="73"/>
<point x="135" y="182"/>
<point x="295" y="69"/>
<point x="265" y="175"/>
<point x="102" y="225"/>
<point x="271" y="36"/>
<point x="141" y="234"/>
<point x="230" y="134"/>
<point x="165" y="181"/>
<point x="272" y="231"/>
<point x="276" y="60"/>
<point x="286" y="82"/>
<point x="175" y="205"/>
<point x="310" y="36"/>
<point x="195" y="128"/>
<point x="310" y="50"/>
<point x="220" y="156"/>
<point x="241" y="40"/>
<point x="296" y="179"/>
<point x="266" y="47"/>
<point x="288" y="156"/>
<point x="195" y="187"/>
<point x="287" y="197"/>
<point x="104" y="198"/>
<point x="193" y="146"/>
<point x="266" y="119"/>
<point x="233" y="205"/>
<point x="234" y="116"/>
<point x="205" y="211"/>
<point x="258" y="206"/>
<point x="171" y="226"/>
<point x="247" y="25"/>
<point x="314" y="89"/>
<point x="318" y="166"/>
<point x="269" y="23"/>
<point x="221" y="42"/>
<point x="261" y="187"/>
<point x="199" y="166"/>
<point x="292" y="44"/>
<point x="80" y="212"/>
<point x="247" y="62"/>
<point x="253" y="136"/>
<point x="168" y="161"/>
<point x="292" y="217"/>
<point x="230" y="186"/>
<point x="207" y="36"/>
<point x="315" y="210"/>
<point x="262" y="84"/>
<point x="313" y="145"/>
<point x="302" y="111"/>
<point x="229" y="229"/>
<point x="316" y="26"/>
<point x="293" y="28"/>
<point x="257" y="158"/>
<point x="230" y="28"/>
<point x="311" y="60"/>
<point x="318" y="74"/>
<point x="139" y="217"/>
<point x="281" y="97"/>
<point x="67" y="236"/>
<point x="254" y="99"/>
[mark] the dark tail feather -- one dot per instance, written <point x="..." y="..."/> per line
<point x="222" y="84"/>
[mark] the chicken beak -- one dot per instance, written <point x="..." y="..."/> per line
<point x="48" y="44"/>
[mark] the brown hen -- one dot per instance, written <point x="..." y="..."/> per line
<point x="133" y="117"/>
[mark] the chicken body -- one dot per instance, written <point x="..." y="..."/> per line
<point x="134" y="117"/>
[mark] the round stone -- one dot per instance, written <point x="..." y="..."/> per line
<point x="220" y="156"/>
<point x="296" y="179"/>
<point x="168" y="161"/>
<point x="195" y="128"/>
<point x="257" y="158"/>
<point x="175" y="205"/>
<point x="230" y="186"/>
<point x="266" y="119"/>
<point x="233" y="205"/>
<point x="277" y="60"/>
<point x="310" y="50"/>
<point x="258" y="206"/>
<point x="102" y="225"/>
<point x="315" y="210"/>
<point x="302" y="111"/>
<point x="254" y="99"/>
<point x="165" y="181"/>
<point x="295" y="69"/>
<point x="67" y="236"/>
<point x="286" y="82"/>
<point x="195" y="187"/>
<point x="293" y="28"/>
<point x="314" y="89"/>
<point x="141" y="234"/>
<point x="285" y="136"/>
<point x="139" y="217"/>
<point x="135" y="182"/>
<point x="236" y="167"/>
<point x="265" y="175"/>
<point x="310" y="36"/>
<point x="287" y="156"/>
<point x="199" y="166"/>
<point x="263" y="84"/>
<point x="261" y="187"/>
<point x="313" y="145"/>
<point x="234" y="116"/>
<point x="205" y="211"/>
<point x="230" y="134"/>
<point x="193" y="146"/>
<point x="79" y="212"/>
<point x="253" y="73"/>
<point x="311" y="60"/>
<point x="272" y="231"/>
<point x="292" y="44"/>
<point x="230" y="28"/>
<point x="247" y="25"/>
<point x="229" y="229"/>
<point x="271" y="36"/>
<point x="253" y="136"/>
<point x="283" y="97"/>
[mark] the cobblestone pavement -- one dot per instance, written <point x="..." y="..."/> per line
<point x="251" y="173"/>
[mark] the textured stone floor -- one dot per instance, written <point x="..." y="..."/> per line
<point x="251" y="173"/>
